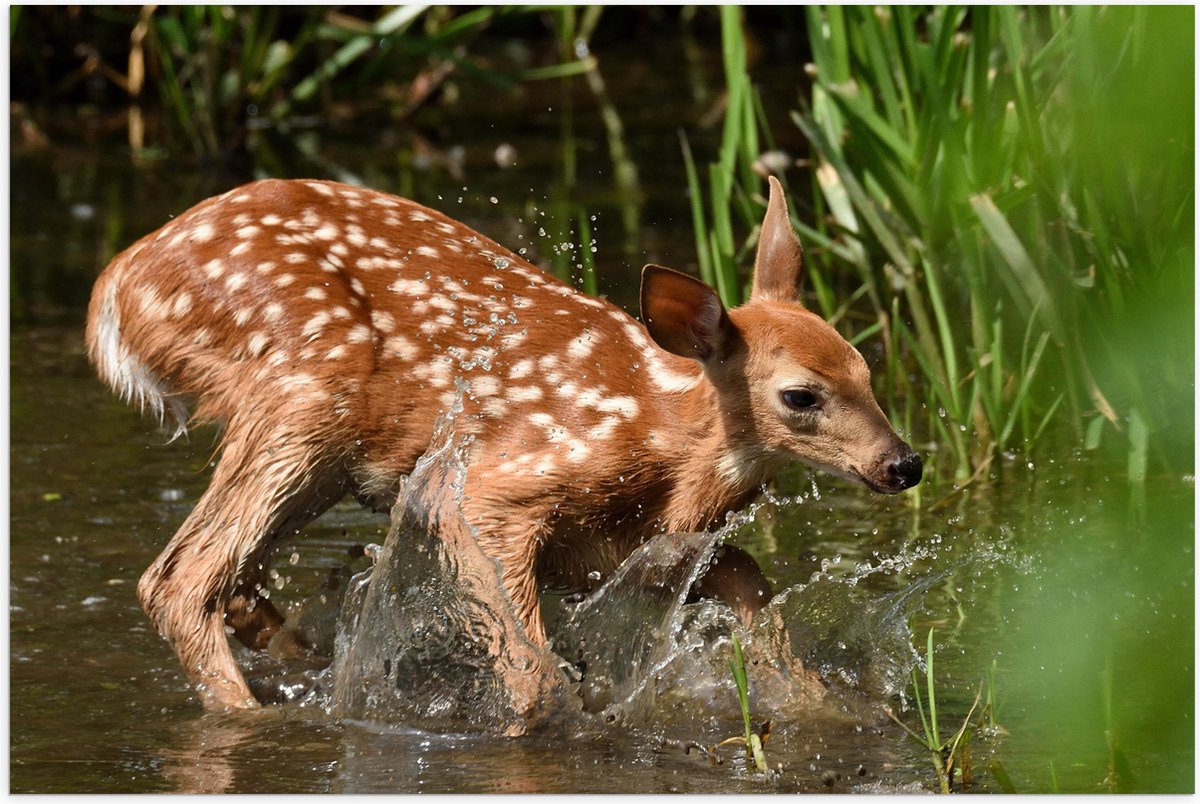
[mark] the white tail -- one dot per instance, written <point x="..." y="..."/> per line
<point x="328" y="326"/>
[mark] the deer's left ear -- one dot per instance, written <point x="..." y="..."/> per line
<point x="779" y="263"/>
<point x="683" y="315"/>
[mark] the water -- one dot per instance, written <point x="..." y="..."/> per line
<point x="1001" y="572"/>
<point x="1039" y="566"/>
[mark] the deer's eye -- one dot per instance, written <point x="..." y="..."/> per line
<point x="799" y="399"/>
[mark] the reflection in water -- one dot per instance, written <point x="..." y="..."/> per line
<point x="205" y="756"/>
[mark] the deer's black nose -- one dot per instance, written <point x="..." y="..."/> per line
<point x="906" y="468"/>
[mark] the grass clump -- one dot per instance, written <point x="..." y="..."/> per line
<point x="751" y="739"/>
<point x="1013" y="208"/>
<point x="951" y="756"/>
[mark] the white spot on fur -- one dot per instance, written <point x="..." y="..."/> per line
<point x="257" y="343"/>
<point x="603" y="430"/>
<point x="151" y="305"/>
<point x="667" y="379"/>
<point x="432" y="327"/>
<point x="316" y="294"/>
<point x="577" y="451"/>
<point x="235" y="281"/>
<point x="485" y="386"/>
<point x="182" y="305"/>
<point x="581" y="346"/>
<point x="521" y="369"/>
<point x="512" y="340"/>
<point x="494" y="407"/>
<point x="542" y="419"/>
<point x="314" y="325"/>
<point x="213" y="269"/>
<point x="625" y="406"/>
<point x="524" y="393"/>
<point x="409" y="287"/>
<point x="383" y="321"/>
<point x="402" y="347"/>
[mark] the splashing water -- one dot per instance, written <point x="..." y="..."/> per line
<point x="428" y="638"/>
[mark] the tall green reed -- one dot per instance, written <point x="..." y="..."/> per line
<point x="997" y="220"/>
<point x="731" y="184"/>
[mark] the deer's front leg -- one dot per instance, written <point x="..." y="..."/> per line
<point x="513" y="540"/>
<point x="736" y="578"/>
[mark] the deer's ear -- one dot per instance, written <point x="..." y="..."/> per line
<point x="779" y="263"/>
<point x="684" y="315"/>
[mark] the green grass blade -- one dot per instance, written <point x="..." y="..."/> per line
<point x="1002" y="778"/>
<point x="699" y="227"/>
<point x="929" y="683"/>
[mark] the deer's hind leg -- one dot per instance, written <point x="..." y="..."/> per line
<point x="271" y="478"/>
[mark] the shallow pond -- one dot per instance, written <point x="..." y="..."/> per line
<point x="1041" y="572"/>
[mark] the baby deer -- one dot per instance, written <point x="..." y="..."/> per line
<point x="328" y="327"/>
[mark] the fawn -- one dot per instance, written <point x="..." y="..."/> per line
<point x="328" y="327"/>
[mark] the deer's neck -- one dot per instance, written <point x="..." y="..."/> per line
<point x="721" y="463"/>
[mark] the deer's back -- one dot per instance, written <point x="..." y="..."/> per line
<point x="320" y="296"/>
